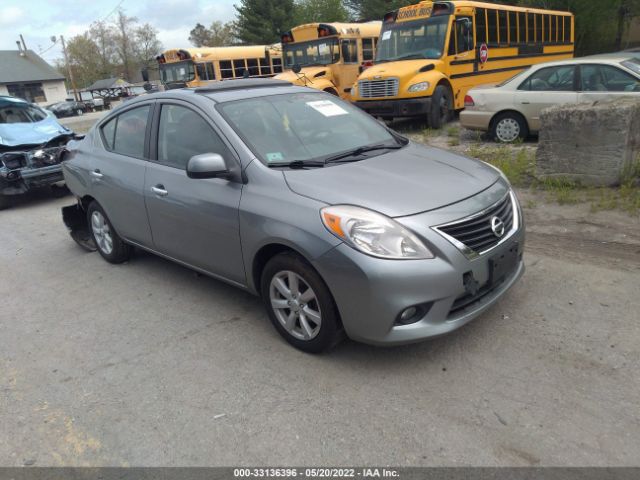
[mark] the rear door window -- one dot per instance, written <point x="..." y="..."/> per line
<point x="606" y="78"/>
<point x="125" y="134"/>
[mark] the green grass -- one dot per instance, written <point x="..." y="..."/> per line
<point x="517" y="164"/>
<point x="453" y="132"/>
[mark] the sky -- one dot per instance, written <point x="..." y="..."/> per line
<point x="38" y="20"/>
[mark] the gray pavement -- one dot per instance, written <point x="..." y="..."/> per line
<point x="148" y="363"/>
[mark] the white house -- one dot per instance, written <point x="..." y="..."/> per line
<point x="24" y="74"/>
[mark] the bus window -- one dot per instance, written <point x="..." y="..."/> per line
<point x="238" y="68"/>
<point x="211" y="74"/>
<point x="492" y="26"/>
<point x="252" y="65"/>
<point x="200" y="71"/>
<point x="368" y="52"/>
<point x="504" y="27"/>
<point x="539" y="29"/>
<point x="481" y="26"/>
<point x="461" y="36"/>
<point x="567" y="29"/>
<point x="522" y="28"/>
<point x="350" y="51"/>
<point x="531" y="28"/>
<point x="226" y="71"/>
<point x="513" y="28"/>
<point x="277" y="65"/>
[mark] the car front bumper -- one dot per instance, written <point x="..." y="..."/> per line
<point x="414" y="107"/>
<point x="371" y="293"/>
<point x="17" y="182"/>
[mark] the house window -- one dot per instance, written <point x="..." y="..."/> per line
<point x="31" y="92"/>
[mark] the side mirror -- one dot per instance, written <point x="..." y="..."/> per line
<point x="297" y="68"/>
<point x="145" y="74"/>
<point x="207" y="165"/>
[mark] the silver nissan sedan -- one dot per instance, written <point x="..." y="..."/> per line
<point x="340" y="224"/>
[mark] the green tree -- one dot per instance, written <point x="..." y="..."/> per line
<point x="312" y="11"/>
<point x="103" y="36"/>
<point x="217" y="35"/>
<point x="146" y="45"/>
<point x="262" y="21"/>
<point x="374" y="9"/>
<point x="84" y="59"/>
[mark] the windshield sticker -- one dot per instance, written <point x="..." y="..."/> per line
<point x="274" y="157"/>
<point x="328" y="108"/>
<point x="324" y="49"/>
<point x="386" y="35"/>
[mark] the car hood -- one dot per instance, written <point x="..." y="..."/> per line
<point x="14" y="134"/>
<point x="403" y="182"/>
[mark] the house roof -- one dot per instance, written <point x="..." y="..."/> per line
<point x="107" y="83"/>
<point x="28" y="68"/>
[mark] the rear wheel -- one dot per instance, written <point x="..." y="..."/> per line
<point x="299" y="304"/>
<point x="4" y="202"/>
<point x="509" y="127"/>
<point x="109" y="244"/>
<point x="441" y="107"/>
<point x="79" y="112"/>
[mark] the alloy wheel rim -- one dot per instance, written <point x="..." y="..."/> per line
<point x="507" y="130"/>
<point x="295" y="305"/>
<point x="101" y="232"/>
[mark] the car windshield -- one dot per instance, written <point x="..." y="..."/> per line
<point x="21" y="113"/>
<point x="417" y="39"/>
<point x="317" y="52"/>
<point x="177" y="72"/>
<point x="303" y="127"/>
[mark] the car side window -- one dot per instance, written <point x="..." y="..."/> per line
<point x="552" y="79"/>
<point x="125" y="133"/>
<point x="182" y="134"/>
<point x="605" y="78"/>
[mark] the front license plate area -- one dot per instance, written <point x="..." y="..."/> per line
<point x="503" y="264"/>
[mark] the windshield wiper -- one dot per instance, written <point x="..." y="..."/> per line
<point x="359" y="151"/>
<point x="297" y="164"/>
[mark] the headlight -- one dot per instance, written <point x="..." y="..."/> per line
<point x="373" y="233"/>
<point x="419" y="87"/>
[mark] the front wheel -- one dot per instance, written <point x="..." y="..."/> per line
<point x="299" y="304"/>
<point x="79" y="112"/>
<point x="109" y="244"/>
<point x="509" y="127"/>
<point x="441" y="107"/>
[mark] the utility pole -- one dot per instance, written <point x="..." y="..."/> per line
<point x="71" y="79"/>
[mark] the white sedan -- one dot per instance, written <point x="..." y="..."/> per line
<point x="511" y="110"/>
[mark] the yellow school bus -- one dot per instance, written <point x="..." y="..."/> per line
<point x="430" y="54"/>
<point x="194" y="67"/>
<point x="328" y="56"/>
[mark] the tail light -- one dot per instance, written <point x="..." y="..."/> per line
<point x="468" y="101"/>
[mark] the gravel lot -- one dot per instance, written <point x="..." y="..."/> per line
<point x="147" y="363"/>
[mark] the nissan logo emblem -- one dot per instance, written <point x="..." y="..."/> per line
<point x="497" y="226"/>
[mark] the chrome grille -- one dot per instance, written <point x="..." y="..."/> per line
<point x="387" y="87"/>
<point x="474" y="235"/>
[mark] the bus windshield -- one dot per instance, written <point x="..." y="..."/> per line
<point x="316" y="52"/>
<point x="417" y="39"/>
<point x="177" y="72"/>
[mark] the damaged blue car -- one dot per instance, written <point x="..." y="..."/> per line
<point x="32" y="144"/>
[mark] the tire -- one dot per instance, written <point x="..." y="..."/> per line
<point x="5" y="202"/>
<point x="79" y="112"/>
<point x="109" y="244"/>
<point x="441" y="107"/>
<point x="311" y="304"/>
<point x="508" y="127"/>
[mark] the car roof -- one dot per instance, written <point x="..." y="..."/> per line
<point x="610" y="59"/>
<point x="229" y="90"/>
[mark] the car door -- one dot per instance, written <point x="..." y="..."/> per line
<point x="194" y="221"/>
<point x="605" y="82"/>
<point x="544" y="88"/>
<point x="117" y="172"/>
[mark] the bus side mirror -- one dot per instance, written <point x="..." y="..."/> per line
<point x="296" y="68"/>
<point x="145" y="74"/>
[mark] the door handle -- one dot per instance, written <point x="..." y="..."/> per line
<point x="96" y="174"/>
<point x="159" y="190"/>
<point x="526" y="103"/>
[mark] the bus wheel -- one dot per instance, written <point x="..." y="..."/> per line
<point x="508" y="127"/>
<point x="441" y="107"/>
